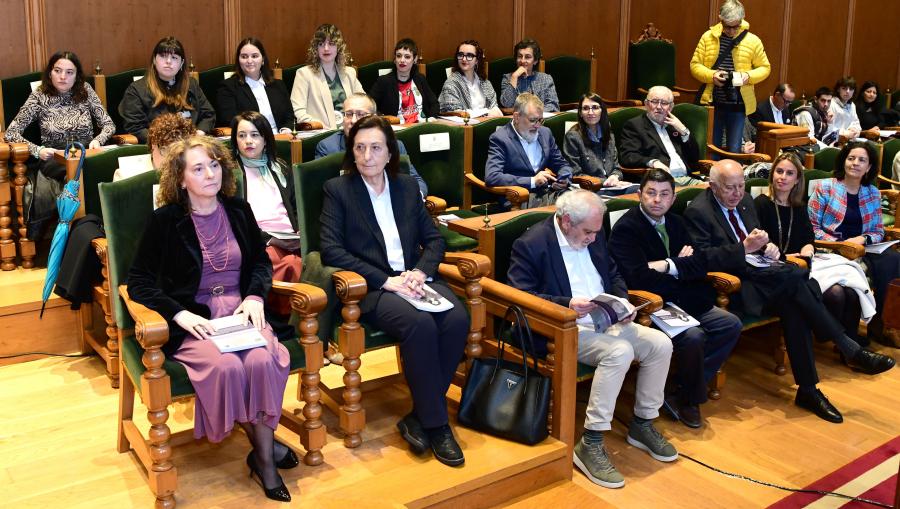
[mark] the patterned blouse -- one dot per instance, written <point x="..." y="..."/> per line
<point x="455" y="94"/>
<point x="61" y="120"/>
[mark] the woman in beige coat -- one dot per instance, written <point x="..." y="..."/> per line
<point x="321" y="87"/>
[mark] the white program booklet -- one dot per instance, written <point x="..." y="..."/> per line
<point x="432" y="301"/>
<point x="233" y="335"/>
<point x="880" y="247"/>
<point x="672" y="320"/>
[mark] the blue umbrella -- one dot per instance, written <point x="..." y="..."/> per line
<point x="67" y="203"/>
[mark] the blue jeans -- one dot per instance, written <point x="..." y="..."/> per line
<point x="731" y="125"/>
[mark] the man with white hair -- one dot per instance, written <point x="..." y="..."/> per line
<point x="524" y="153"/>
<point x="659" y="139"/>
<point x="564" y="259"/>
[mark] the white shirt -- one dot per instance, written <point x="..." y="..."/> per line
<point x="258" y="87"/>
<point x="776" y="113"/>
<point x="384" y="215"/>
<point x="533" y="151"/>
<point x="673" y="270"/>
<point x="739" y="220"/>
<point x="584" y="279"/>
<point x="676" y="165"/>
<point x="476" y="97"/>
<point x="845" y="118"/>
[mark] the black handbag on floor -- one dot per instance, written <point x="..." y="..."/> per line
<point x="504" y="398"/>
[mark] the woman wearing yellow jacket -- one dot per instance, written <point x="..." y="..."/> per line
<point x="729" y="60"/>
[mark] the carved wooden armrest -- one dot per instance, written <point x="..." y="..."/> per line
<point x="634" y="171"/>
<point x="310" y="125"/>
<point x="870" y="134"/>
<point x="889" y="181"/>
<point x="750" y="158"/>
<point x="124" y="139"/>
<point x="220" y="132"/>
<point x="892" y="233"/>
<point x="99" y="244"/>
<point x="892" y="196"/>
<point x="349" y="286"/>
<point x="515" y="194"/>
<point x="435" y="205"/>
<point x="845" y="249"/>
<point x="305" y="299"/>
<point x="393" y="120"/>
<point x="624" y="103"/>
<point x="150" y="328"/>
<point x="691" y="91"/>
<point x="530" y="303"/>
<point x="724" y="282"/>
<point x="638" y="297"/>
<point x="589" y="182"/>
<point x="796" y="260"/>
<point x="704" y="165"/>
<point x="470" y="265"/>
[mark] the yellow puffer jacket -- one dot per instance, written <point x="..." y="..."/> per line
<point x="749" y="57"/>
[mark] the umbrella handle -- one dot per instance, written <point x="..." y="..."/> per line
<point x="80" y="147"/>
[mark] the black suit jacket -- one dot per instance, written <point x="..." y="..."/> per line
<point x="234" y="96"/>
<point x="387" y="98"/>
<point x="351" y="238"/>
<point x="165" y="274"/>
<point x="634" y="242"/>
<point x="640" y="143"/>
<point x="536" y="265"/>
<point x="764" y="113"/>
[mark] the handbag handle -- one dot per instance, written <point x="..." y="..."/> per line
<point x="523" y="331"/>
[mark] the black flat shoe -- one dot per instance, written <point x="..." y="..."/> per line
<point x="817" y="403"/>
<point x="289" y="460"/>
<point x="279" y="493"/>
<point x="869" y="362"/>
<point x="412" y="431"/>
<point x="689" y="415"/>
<point x="445" y="448"/>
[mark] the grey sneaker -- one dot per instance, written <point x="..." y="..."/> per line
<point x="593" y="461"/>
<point x="645" y="437"/>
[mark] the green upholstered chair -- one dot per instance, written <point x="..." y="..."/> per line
<point x="369" y="73"/>
<point x="339" y="320"/>
<point x="826" y="159"/>
<point x="810" y="176"/>
<point x="617" y="120"/>
<point x="444" y="172"/>
<point x="496" y="70"/>
<point x="436" y="74"/>
<point x="890" y="189"/>
<point x="683" y="198"/>
<point x="211" y="78"/>
<point x="572" y="75"/>
<point x="100" y="168"/>
<point x="308" y="144"/>
<point x="14" y="92"/>
<point x="116" y="85"/>
<point x="288" y="74"/>
<point x="477" y="193"/>
<point x="698" y="119"/>
<point x="650" y="63"/>
<point x="157" y="380"/>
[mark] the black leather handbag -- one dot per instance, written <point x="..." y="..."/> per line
<point x="504" y="398"/>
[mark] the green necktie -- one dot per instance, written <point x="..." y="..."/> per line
<point x="661" y="229"/>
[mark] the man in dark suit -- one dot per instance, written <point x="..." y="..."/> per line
<point x="524" y="153"/>
<point x="776" y="110"/>
<point x="659" y="139"/>
<point x="655" y="253"/>
<point x="723" y="222"/>
<point x="564" y="260"/>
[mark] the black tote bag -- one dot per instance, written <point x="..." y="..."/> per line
<point x="504" y="398"/>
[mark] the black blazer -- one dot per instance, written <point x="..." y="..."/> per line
<point x="137" y="110"/>
<point x="387" y="99"/>
<point x="287" y="192"/>
<point x="234" y="96"/>
<point x="536" y="265"/>
<point x="764" y="113"/>
<point x="634" y="242"/>
<point x="639" y="144"/>
<point x="165" y="273"/>
<point x="351" y="238"/>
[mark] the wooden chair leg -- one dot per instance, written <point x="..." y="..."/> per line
<point x="26" y="246"/>
<point x="716" y="384"/>
<point x="351" y="339"/>
<point x="157" y="395"/>
<point x="126" y="411"/>
<point x="780" y="357"/>
<point x="112" y="332"/>
<point x="313" y="434"/>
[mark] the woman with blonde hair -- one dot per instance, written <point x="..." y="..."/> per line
<point x="321" y="87"/>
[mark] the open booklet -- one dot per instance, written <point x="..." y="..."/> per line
<point x="432" y="301"/>
<point x="611" y="310"/>
<point x="233" y="335"/>
<point x="879" y="247"/>
<point x="758" y="260"/>
<point x="673" y="320"/>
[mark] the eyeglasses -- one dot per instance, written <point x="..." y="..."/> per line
<point x="356" y="115"/>
<point x="535" y="120"/>
<point x="466" y="56"/>
<point x="658" y="102"/>
<point x="592" y="107"/>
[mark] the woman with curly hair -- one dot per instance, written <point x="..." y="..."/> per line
<point x="321" y="87"/>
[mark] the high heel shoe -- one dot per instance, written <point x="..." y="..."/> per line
<point x="279" y="493"/>
<point x="289" y="460"/>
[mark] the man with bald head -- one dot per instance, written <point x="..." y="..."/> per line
<point x="723" y="222"/>
<point x="659" y="139"/>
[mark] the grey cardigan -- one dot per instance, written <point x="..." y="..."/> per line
<point x="589" y="159"/>
<point x="455" y="94"/>
<point x="539" y="83"/>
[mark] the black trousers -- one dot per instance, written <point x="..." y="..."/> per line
<point x="883" y="268"/>
<point x="431" y="346"/>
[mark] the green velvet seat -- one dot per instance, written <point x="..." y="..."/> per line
<point x="650" y="63"/>
<point x="557" y="125"/>
<point x="696" y="119"/>
<point x="116" y="85"/>
<point x="481" y="134"/>
<point x="210" y="80"/>
<point x="100" y="168"/>
<point x="618" y="118"/>
<point x="436" y="74"/>
<point x="496" y="70"/>
<point x="288" y="74"/>
<point x="888" y="152"/>
<point x="571" y="75"/>
<point x="810" y="176"/>
<point x="369" y="73"/>
<point x="826" y="159"/>
<point x="309" y="144"/>
<point x="683" y="198"/>
<point x="15" y="92"/>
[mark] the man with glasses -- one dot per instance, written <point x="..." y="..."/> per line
<point x="659" y="139"/>
<point x="524" y="153"/>
<point x="357" y="106"/>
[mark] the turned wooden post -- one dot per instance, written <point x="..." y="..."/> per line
<point x="7" y="245"/>
<point x="112" y="331"/>
<point x="351" y="342"/>
<point x="157" y="395"/>
<point x="313" y="435"/>
<point x="26" y="246"/>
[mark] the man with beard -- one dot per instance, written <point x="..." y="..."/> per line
<point x="817" y="117"/>
<point x="523" y="153"/>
